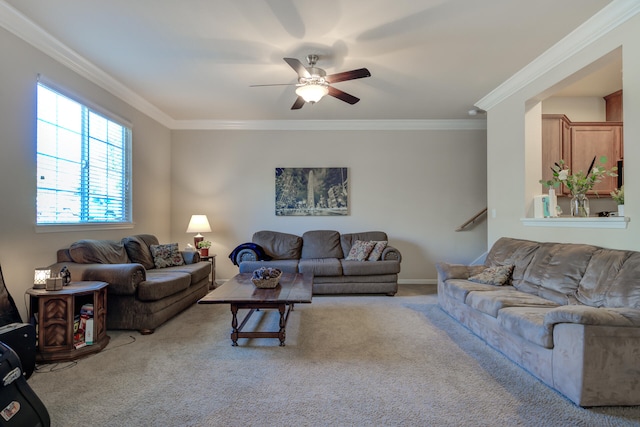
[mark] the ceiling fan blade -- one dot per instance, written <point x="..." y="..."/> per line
<point x="298" y="67"/>
<point x="343" y="96"/>
<point x="348" y="75"/>
<point x="298" y="104"/>
<point x="275" y="84"/>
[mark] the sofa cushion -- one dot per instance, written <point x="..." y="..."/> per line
<point x="611" y="280"/>
<point x="347" y="240"/>
<point x="516" y="252"/>
<point x="321" y="266"/>
<point x="198" y="271"/>
<point x="162" y="283"/>
<point x="137" y="248"/>
<point x="286" y="265"/>
<point x="360" y="250"/>
<point x="166" y="255"/>
<point x="278" y="245"/>
<point x="458" y="289"/>
<point x="358" y="268"/>
<point x="376" y="252"/>
<point x="528" y="323"/>
<point x="98" y="252"/>
<point x="321" y="244"/>
<point x="491" y="302"/>
<point x="497" y="276"/>
<point x="558" y="268"/>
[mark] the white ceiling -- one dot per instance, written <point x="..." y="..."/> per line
<point x="195" y="59"/>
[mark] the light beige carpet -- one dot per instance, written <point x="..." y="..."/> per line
<point x="348" y="361"/>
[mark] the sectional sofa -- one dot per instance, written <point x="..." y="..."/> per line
<point x="340" y="263"/>
<point x="568" y="313"/>
<point x="149" y="283"/>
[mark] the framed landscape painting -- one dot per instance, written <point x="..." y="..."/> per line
<point x="312" y="191"/>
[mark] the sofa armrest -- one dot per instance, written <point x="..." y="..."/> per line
<point x="587" y="315"/>
<point x="123" y="279"/>
<point x="390" y="254"/>
<point x="448" y="271"/>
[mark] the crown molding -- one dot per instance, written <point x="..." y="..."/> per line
<point x="607" y="19"/>
<point x="21" y="26"/>
<point x="331" y="125"/>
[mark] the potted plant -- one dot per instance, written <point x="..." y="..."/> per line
<point x="618" y="196"/>
<point x="204" y="246"/>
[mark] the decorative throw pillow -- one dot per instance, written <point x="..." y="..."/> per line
<point x="497" y="276"/>
<point x="376" y="253"/>
<point x="360" y="250"/>
<point x="166" y="255"/>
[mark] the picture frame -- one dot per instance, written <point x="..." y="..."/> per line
<point x="311" y="191"/>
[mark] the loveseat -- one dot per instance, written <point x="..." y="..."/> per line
<point x="149" y="283"/>
<point x="340" y="263"/>
<point x="568" y="313"/>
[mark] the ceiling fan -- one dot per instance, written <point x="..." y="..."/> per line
<point x="314" y="83"/>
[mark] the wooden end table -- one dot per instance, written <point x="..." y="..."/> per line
<point x="241" y="293"/>
<point x="55" y="311"/>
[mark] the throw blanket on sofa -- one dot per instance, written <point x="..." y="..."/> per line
<point x="262" y="256"/>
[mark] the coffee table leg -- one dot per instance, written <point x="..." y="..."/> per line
<point x="283" y="323"/>
<point x="234" y="325"/>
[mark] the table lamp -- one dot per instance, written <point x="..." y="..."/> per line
<point x="40" y="278"/>
<point x="198" y="224"/>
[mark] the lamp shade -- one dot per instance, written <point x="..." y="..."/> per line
<point x="40" y="278"/>
<point x="198" y="224"/>
<point x="312" y="92"/>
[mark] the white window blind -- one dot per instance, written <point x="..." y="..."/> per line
<point x="83" y="163"/>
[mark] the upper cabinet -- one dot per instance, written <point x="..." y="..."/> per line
<point x="577" y="143"/>
<point x="614" y="106"/>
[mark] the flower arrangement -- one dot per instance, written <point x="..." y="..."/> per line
<point x="204" y="244"/>
<point x="579" y="183"/>
<point x="618" y="195"/>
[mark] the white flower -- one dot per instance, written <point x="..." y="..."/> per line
<point x="563" y="174"/>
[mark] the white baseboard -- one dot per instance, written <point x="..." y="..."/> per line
<point x="417" y="281"/>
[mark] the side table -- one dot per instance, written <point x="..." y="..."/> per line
<point x="212" y="260"/>
<point x="54" y="312"/>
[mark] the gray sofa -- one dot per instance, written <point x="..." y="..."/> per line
<point x="568" y="313"/>
<point x="140" y="295"/>
<point x="324" y="254"/>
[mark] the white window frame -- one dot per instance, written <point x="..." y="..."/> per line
<point x="85" y="192"/>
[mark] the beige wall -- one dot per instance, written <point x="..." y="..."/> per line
<point x="21" y="248"/>
<point x="417" y="186"/>
<point x="577" y="108"/>
<point x="510" y="190"/>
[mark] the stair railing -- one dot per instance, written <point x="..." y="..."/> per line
<point x="472" y="220"/>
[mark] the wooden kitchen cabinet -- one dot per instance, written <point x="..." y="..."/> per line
<point x="596" y="139"/>
<point x="556" y="135"/>
<point x="577" y="143"/>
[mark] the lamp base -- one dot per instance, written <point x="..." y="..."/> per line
<point x="197" y="240"/>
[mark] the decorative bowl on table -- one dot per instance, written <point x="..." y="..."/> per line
<point x="266" y="277"/>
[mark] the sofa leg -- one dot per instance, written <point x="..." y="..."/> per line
<point x="147" y="331"/>
<point x="390" y="294"/>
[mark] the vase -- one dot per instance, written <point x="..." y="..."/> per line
<point x="204" y="251"/>
<point x="579" y="205"/>
<point x="620" y="210"/>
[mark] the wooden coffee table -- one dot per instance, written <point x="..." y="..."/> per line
<point x="241" y="293"/>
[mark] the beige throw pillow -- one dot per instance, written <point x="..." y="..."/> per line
<point x="497" y="276"/>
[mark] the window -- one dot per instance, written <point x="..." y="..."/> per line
<point x="84" y="163"/>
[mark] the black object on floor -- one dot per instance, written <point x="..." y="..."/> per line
<point x="19" y="404"/>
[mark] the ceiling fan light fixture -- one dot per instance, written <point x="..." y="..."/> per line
<point x="312" y="92"/>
